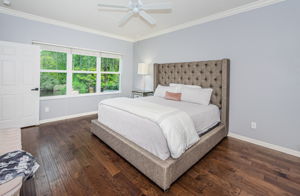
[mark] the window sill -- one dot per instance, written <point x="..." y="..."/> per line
<point x="80" y="95"/>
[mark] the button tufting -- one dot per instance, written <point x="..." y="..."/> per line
<point x="206" y="74"/>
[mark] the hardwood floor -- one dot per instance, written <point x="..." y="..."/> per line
<point x="74" y="162"/>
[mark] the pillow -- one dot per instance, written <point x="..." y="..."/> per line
<point x="184" y="85"/>
<point x="160" y="91"/>
<point x="173" y="96"/>
<point x="196" y="95"/>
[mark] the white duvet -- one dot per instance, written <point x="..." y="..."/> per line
<point x="177" y="126"/>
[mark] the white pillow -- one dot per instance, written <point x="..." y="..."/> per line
<point x="184" y="85"/>
<point x="160" y="91"/>
<point x="196" y="95"/>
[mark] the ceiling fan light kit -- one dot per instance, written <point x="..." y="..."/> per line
<point x="138" y="8"/>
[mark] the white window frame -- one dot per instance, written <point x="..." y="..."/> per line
<point x="104" y="55"/>
<point x="69" y="80"/>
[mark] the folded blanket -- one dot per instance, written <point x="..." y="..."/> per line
<point x="17" y="163"/>
<point x="177" y="126"/>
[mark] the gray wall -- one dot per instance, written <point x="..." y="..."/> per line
<point x="264" y="47"/>
<point x="20" y="30"/>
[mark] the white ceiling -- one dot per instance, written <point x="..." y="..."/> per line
<point x="85" y="13"/>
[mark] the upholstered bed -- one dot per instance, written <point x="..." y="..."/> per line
<point x="207" y="74"/>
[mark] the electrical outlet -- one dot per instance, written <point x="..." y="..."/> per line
<point x="253" y="125"/>
<point x="47" y="109"/>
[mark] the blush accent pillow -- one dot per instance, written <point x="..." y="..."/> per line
<point x="173" y="96"/>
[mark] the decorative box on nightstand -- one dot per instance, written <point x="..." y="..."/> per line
<point x="141" y="93"/>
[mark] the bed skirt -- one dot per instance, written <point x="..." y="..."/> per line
<point x="161" y="172"/>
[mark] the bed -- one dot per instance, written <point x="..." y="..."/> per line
<point x="154" y="160"/>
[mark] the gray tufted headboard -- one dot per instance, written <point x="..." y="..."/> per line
<point x="208" y="74"/>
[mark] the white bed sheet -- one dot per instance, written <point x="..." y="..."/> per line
<point x="148" y="134"/>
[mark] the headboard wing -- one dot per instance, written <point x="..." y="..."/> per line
<point x="207" y="74"/>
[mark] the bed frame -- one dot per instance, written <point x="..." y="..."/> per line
<point x="208" y="74"/>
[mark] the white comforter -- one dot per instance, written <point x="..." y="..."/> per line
<point x="177" y="127"/>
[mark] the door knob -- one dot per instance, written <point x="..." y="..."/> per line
<point x="35" y="89"/>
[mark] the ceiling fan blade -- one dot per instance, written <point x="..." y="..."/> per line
<point x="112" y="6"/>
<point x="157" y="6"/>
<point x="125" y="18"/>
<point x="147" y="17"/>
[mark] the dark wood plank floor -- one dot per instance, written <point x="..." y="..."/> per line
<point x="74" y="162"/>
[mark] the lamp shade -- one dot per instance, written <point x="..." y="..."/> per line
<point x="142" y="69"/>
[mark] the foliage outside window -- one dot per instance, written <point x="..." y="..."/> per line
<point x="67" y="73"/>
<point x="110" y="69"/>
<point x="84" y="63"/>
<point x="109" y="82"/>
<point x="84" y="81"/>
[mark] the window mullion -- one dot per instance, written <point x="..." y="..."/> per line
<point x="53" y="71"/>
<point x="108" y="72"/>
<point x="69" y="74"/>
<point x="98" y="84"/>
<point x="120" y="76"/>
<point x="85" y="72"/>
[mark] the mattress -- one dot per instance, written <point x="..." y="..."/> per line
<point x="148" y="134"/>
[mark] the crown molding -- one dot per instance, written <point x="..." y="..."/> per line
<point x="220" y="15"/>
<point x="28" y="16"/>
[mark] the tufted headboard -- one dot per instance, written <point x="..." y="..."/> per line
<point x="207" y="74"/>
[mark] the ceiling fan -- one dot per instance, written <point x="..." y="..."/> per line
<point x="138" y="8"/>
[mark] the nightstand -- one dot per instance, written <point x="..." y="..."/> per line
<point x="141" y="93"/>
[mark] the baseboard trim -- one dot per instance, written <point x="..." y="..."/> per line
<point x="67" y="117"/>
<point x="265" y="144"/>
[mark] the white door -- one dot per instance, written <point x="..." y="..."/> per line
<point x="19" y="84"/>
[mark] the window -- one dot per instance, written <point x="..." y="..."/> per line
<point x="70" y="72"/>
<point x="53" y="73"/>
<point x="110" y="74"/>
<point x="84" y="74"/>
